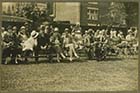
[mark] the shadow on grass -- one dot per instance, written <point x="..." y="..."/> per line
<point x="79" y="60"/>
<point x="113" y="59"/>
<point x="54" y="61"/>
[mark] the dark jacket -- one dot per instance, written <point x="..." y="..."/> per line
<point x="43" y="39"/>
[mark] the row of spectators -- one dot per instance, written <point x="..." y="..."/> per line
<point x="96" y="44"/>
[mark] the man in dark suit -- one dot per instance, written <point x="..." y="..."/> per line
<point x="11" y="46"/>
<point x="42" y="40"/>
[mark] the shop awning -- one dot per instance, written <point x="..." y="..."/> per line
<point x="14" y="19"/>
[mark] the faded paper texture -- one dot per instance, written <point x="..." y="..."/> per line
<point x="69" y="46"/>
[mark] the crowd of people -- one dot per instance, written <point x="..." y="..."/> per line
<point x="96" y="43"/>
<point x="29" y="11"/>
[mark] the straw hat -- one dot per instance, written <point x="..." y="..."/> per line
<point x="14" y="28"/>
<point x="56" y="29"/>
<point x="120" y="32"/>
<point x="23" y="27"/>
<point x="72" y="33"/>
<point x="66" y="29"/>
<point x="86" y="31"/>
<point x="78" y="31"/>
<point x="2" y="28"/>
<point x="100" y="32"/>
<point x="90" y="30"/>
<point x="77" y="23"/>
<point x="34" y="34"/>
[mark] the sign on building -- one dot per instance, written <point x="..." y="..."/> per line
<point x="92" y="13"/>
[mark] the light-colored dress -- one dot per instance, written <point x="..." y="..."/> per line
<point x="29" y="44"/>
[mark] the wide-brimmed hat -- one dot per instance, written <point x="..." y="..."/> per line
<point x="66" y="29"/>
<point x="86" y="31"/>
<point x="78" y="31"/>
<point x="120" y="32"/>
<point x="14" y="28"/>
<point x="26" y="23"/>
<point x="23" y="27"/>
<point x="56" y="29"/>
<point x="34" y="34"/>
<point x="72" y="33"/>
<point x="90" y="30"/>
<point x="103" y="30"/>
<point x="42" y="26"/>
<point x="77" y="23"/>
<point x="2" y="28"/>
<point x="130" y="31"/>
<point x="46" y="23"/>
<point x="114" y="31"/>
<point x="100" y="32"/>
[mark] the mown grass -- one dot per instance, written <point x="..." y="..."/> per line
<point x="85" y="75"/>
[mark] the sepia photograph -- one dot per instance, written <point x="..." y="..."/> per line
<point x="69" y="46"/>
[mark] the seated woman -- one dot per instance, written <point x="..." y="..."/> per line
<point x="42" y="40"/>
<point x="114" y="41"/>
<point x="29" y="44"/>
<point x="10" y="46"/>
<point x="55" y="40"/>
<point x="78" y="40"/>
<point x="130" y="39"/>
<point x="22" y="35"/>
<point x="101" y="46"/>
<point x="135" y="46"/>
<point x="87" y="44"/>
<point x="69" y="43"/>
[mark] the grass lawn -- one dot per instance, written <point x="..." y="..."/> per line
<point x="84" y="75"/>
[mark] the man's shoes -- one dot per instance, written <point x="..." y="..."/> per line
<point x="71" y="59"/>
<point x="4" y="62"/>
<point x="16" y="61"/>
<point x="76" y="56"/>
<point x="58" y="60"/>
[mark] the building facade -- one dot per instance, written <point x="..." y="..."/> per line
<point x="67" y="11"/>
<point x="86" y="13"/>
<point x="89" y="13"/>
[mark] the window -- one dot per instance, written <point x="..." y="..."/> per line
<point x="92" y="14"/>
<point x="92" y="2"/>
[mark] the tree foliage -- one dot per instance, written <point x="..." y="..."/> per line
<point x="117" y="13"/>
<point x="132" y="12"/>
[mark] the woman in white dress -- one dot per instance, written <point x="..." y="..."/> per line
<point x="29" y="44"/>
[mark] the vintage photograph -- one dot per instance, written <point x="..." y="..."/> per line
<point x="69" y="46"/>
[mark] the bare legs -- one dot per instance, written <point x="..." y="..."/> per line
<point x="72" y="52"/>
